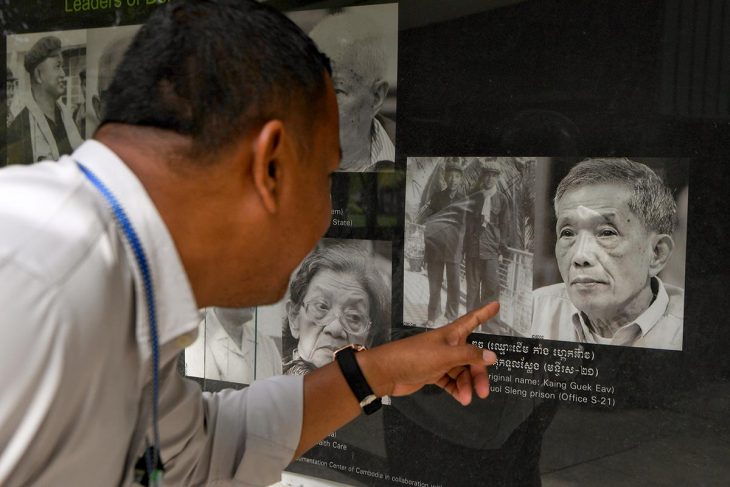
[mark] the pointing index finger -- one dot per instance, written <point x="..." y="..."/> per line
<point x="478" y="316"/>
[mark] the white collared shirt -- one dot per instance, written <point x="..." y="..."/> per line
<point x="381" y="147"/>
<point x="661" y="325"/>
<point x="74" y="345"/>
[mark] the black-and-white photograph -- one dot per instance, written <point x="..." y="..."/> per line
<point x="230" y="347"/>
<point x="611" y="242"/>
<point x="105" y="51"/>
<point x="47" y="73"/>
<point x="469" y="240"/>
<point x="362" y="44"/>
<point x="340" y="294"/>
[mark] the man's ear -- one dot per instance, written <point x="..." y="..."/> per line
<point x="380" y="92"/>
<point x="662" y="248"/>
<point x="268" y="148"/>
<point x="291" y="318"/>
<point x="36" y="76"/>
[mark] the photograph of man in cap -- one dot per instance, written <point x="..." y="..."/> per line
<point x="444" y="217"/>
<point x="488" y="233"/>
<point x="44" y="128"/>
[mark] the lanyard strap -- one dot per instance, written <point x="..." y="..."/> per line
<point x="126" y="227"/>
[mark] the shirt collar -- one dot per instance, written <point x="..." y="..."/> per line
<point x="177" y="313"/>
<point x="645" y="321"/>
<point x="381" y="147"/>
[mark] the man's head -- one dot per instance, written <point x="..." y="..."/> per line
<point x="226" y="112"/>
<point x="214" y="70"/>
<point x="489" y="176"/>
<point x="615" y="218"/>
<point x="336" y="297"/>
<point x="355" y="46"/>
<point x="44" y="64"/>
<point x="453" y="175"/>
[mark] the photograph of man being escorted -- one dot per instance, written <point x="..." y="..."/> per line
<point x="468" y="240"/>
<point x="443" y="218"/>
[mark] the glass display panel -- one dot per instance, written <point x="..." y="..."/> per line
<point x="567" y="158"/>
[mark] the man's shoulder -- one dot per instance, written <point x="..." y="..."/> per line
<point x="551" y="313"/>
<point x="49" y="220"/>
<point x="19" y="126"/>
<point x="552" y="291"/>
<point x="675" y="307"/>
<point x="388" y="125"/>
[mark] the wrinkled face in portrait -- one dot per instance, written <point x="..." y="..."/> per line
<point x="358" y="102"/>
<point x="453" y="180"/>
<point x="335" y="311"/>
<point x="50" y="76"/>
<point x="605" y="254"/>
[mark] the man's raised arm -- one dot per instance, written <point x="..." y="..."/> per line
<point x="441" y="357"/>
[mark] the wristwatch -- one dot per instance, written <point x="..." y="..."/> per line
<point x="345" y="358"/>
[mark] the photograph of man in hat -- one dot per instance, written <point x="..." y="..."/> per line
<point x="488" y="233"/>
<point x="44" y="127"/>
<point x="444" y="217"/>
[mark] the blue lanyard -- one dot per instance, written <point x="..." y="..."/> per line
<point x="152" y="458"/>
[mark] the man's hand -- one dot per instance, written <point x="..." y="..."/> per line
<point x="441" y="357"/>
<point x="398" y="368"/>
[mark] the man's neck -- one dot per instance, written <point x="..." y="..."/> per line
<point x="359" y="158"/>
<point x="45" y="102"/>
<point x="358" y="162"/>
<point x="606" y="326"/>
<point x="187" y="195"/>
<point x="234" y="330"/>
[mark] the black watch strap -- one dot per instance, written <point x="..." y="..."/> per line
<point x="345" y="357"/>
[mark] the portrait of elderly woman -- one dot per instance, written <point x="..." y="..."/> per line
<point x="614" y="236"/>
<point x="339" y="295"/>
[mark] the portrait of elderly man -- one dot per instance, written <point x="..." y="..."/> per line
<point x="354" y="44"/>
<point x="615" y="219"/>
<point x="44" y="127"/>
<point x="338" y="296"/>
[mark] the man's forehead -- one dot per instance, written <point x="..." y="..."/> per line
<point x="587" y="213"/>
<point x="344" y="75"/>
<point x="328" y="281"/>
<point x="54" y="58"/>
<point x="605" y="201"/>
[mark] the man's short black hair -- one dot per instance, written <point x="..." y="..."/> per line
<point x="213" y="69"/>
